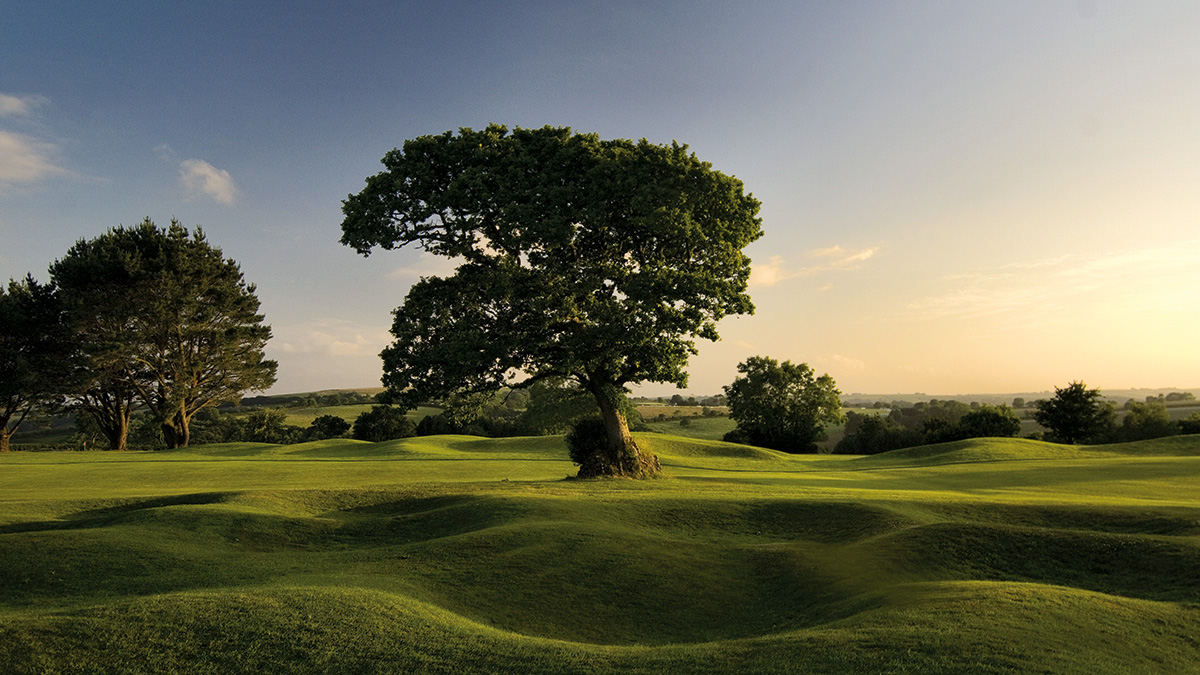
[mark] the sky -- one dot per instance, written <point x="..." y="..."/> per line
<point x="958" y="197"/>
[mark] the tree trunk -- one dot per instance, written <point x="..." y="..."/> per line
<point x="175" y="431"/>
<point x="5" y="435"/>
<point x="621" y="455"/>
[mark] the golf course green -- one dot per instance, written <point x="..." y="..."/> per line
<point x="455" y="554"/>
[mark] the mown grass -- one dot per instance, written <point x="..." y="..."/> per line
<point x="457" y="554"/>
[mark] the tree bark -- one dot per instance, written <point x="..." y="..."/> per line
<point x="621" y="456"/>
<point x="176" y="432"/>
<point x="5" y="435"/>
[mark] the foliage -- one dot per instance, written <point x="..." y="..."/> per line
<point x="1076" y="414"/>
<point x="555" y="405"/>
<point x="327" y="426"/>
<point x="1145" y="421"/>
<point x="868" y="434"/>
<point x="268" y="425"/>
<point x="164" y="321"/>
<point x="587" y="441"/>
<point x="928" y="416"/>
<point x="595" y="261"/>
<point x="1190" y="424"/>
<point x="782" y="406"/>
<point x="36" y="357"/>
<point x="383" y="423"/>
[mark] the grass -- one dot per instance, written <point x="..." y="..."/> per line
<point x="457" y="554"/>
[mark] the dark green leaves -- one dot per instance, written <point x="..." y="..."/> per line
<point x="582" y="258"/>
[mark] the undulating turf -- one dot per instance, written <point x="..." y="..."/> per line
<point x="456" y="554"/>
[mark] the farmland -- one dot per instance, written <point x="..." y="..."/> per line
<point x="468" y="555"/>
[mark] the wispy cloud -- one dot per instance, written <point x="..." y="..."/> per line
<point x="332" y="338"/>
<point x="200" y="177"/>
<point x="429" y="265"/>
<point x="776" y="269"/>
<point x="20" y="105"/>
<point x="25" y="159"/>
<point x="1054" y="286"/>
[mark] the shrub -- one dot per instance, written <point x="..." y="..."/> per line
<point x="383" y="423"/>
<point x="587" y="441"/>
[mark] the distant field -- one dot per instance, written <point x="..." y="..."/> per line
<point x="454" y="554"/>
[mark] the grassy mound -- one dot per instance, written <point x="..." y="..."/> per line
<point x="418" y="556"/>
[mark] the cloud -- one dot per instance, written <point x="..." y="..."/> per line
<point x="24" y="159"/>
<point x="19" y="105"/>
<point x="1062" y="285"/>
<point x="847" y="363"/>
<point x="332" y="338"/>
<point x="834" y="258"/>
<point x="200" y="177"/>
<point x="428" y="266"/>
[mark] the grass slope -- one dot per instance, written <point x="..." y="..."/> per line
<point x="456" y="554"/>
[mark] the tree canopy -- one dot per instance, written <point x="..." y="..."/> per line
<point x="36" y="353"/>
<point x="1076" y="414"/>
<point x="783" y="406"/>
<point x="163" y="320"/>
<point x="598" y="261"/>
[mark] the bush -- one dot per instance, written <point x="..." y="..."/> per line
<point x="587" y="441"/>
<point x="327" y="426"/>
<point x="383" y="423"/>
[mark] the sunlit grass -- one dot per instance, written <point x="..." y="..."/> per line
<point x="459" y="554"/>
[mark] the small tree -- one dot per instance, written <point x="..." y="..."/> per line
<point x="988" y="421"/>
<point x="1146" y="421"/>
<point x="782" y="406"/>
<point x="1076" y="414"/>
<point x="328" y="426"/>
<point x="383" y="423"/>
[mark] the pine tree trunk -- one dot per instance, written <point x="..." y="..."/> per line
<point x="622" y="457"/>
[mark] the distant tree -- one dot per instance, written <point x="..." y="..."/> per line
<point x="163" y="320"/>
<point x="782" y="406"/>
<point x="383" y="423"/>
<point x="868" y="434"/>
<point x="36" y="353"/>
<point x="677" y="400"/>
<point x="1076" y="414"/>
<point x="554" y="406"/>
<point x="1176" y="396"/>
<point x="989" y="421"/>
<point x="327" y="426"/>
<point x="1190" y="424"/>
<point x="1018" y="403"/>
<point x="268" y="425"/>
<point x="1145" y="421"/>
<point x="933" y="414"/>
<point x="596" y="261"/>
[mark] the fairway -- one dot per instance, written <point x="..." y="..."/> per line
<point x="455" y="554"/>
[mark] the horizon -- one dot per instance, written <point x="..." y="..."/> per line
<point x="994" y="196"/>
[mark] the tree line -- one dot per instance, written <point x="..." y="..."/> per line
<point x="138" y="318"/>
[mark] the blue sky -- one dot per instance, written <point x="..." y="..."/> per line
<point x="958" y="197"/>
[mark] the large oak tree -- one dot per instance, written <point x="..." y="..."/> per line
<point x="600" y="261"/>
<point x="164" y="320"/>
